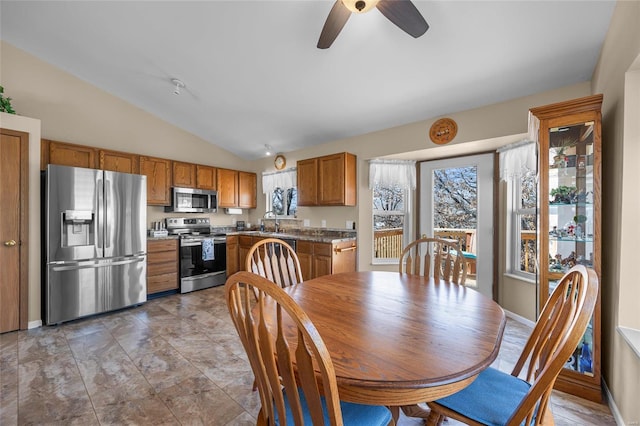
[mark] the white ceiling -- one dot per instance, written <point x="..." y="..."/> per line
<point x="254" y="76"/>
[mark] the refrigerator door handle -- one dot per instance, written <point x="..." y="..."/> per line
<point x="101" y="217"/>
<point x="68" y="266"/>
<point x="108" y="195"/>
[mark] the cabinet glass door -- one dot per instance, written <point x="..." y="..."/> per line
<point x="571" y="215"/>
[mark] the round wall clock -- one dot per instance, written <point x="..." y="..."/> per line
<point x="443" y="131"/>
<point x="280" y="162"/>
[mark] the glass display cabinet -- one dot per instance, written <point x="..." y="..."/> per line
<point x="569" y="164"/>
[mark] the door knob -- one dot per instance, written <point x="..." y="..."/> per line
<point x="10" y="243"/>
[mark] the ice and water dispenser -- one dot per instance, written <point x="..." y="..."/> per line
<point x="78" y="228"/>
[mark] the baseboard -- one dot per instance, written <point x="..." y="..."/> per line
<point x="612" y="405"/>
<point x="520" y="319"/>
<point x="34" y="324"/>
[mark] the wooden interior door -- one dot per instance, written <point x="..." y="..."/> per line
<point x="13" y="257"/>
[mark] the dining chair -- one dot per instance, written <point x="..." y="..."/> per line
<point x="274" y="260"/>
<point x="436" y="257"/>
<point x="498" y="398"/>
<point x="293" y="368"/>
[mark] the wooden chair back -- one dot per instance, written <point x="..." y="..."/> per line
<point x="557" y="333"/>
<point x="274" y="260"/>
<point x="436" y="257"/>
<point x="249" y="297"/>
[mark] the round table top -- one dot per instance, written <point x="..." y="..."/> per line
<point x="400" y="331"/>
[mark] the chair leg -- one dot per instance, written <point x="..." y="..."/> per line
<point x="395" y="414"/>
<point x="434" y="419"/>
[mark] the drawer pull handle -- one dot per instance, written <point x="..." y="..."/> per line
<point x="340" y="250"/>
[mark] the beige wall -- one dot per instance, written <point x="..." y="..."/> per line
<point x="620" y="289"/>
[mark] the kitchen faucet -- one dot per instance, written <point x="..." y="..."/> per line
<point x="273" y="212"/>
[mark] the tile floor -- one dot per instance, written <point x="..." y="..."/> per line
<point x="174" y="360"/>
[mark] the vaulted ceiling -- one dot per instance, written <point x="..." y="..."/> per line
<point x="254" y="76"/>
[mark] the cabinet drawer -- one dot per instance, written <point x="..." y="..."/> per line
<point x="322" y="249"/>
<point x="167" y="267"/>
<point x="304" y="247"/>
<point x="163" y="257"/>
<point x="162" y="283"/>
<point x="162" y="245"/>
<point x="245" y="240"/>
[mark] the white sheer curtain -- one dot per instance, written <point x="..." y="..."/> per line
<point x="517" y="160"/>
<point x="392" y="172"/>
<point x="284" y="179"/>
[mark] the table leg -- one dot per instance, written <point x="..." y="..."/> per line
<point x="395" y="414"/>
<point x="416" y="411"/>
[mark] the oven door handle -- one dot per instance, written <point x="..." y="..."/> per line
<point x="193" y="243"/>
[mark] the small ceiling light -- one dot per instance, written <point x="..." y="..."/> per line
<point x="269" y="150"/>
<point x="360" y="6"/>
<point x="179" y="85"/>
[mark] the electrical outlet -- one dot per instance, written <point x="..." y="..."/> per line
<point x="349" y="224"/>
<point x="323" y="223"/>
<point x="306" y="222"/>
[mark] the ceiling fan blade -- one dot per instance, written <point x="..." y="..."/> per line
<point x="333" y="25"/>
<point x="405" y="15"/>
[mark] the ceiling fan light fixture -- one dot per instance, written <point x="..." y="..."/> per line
<point x="360" y="6"/>
<point x="179" y="85"/>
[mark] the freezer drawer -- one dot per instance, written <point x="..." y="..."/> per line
<point x="79" y="289"/>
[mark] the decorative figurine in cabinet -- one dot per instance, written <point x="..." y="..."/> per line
<point x="569" y="164"/>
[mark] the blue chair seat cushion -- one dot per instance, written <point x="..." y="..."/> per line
<point x="352" y="414"/>
<point x="491" y="399"/>
<point x="465" y="254"/>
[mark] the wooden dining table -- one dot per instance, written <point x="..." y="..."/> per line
<point x="399" y="339"/>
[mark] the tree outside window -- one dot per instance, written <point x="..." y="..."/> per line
<point x="284" y="201"/>
<point x="524" y="202"/>
<point x="390" y="223"/>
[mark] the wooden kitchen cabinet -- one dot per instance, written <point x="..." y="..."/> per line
<point x="247" y="190"/>
<point x="206" y="177"/>
<point x="236" y="189"/>
<point x="158" y="173"/>
<point x="233" y="264"/>
<point x="304" y="251"/>
<point x="67" y="154"/>
<point x="307" y="177"/>
<point x="184" y="174"/>
<point x="318" y="259"/>
<point x="227" y="188"/>
<point x="116" y="161"/>
<point x="162" y="265"/>
<point x="327" y="181"/>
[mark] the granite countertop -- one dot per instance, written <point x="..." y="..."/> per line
<point x="165" y="237"/>
<point x="315" y="235"/>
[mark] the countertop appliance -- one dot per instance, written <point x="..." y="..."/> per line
<point x="203" y="255"/>
<point x="191" y="200"/>
<point x="95" y="242"/>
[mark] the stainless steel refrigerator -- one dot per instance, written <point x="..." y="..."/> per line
<point x="95" y="242"/>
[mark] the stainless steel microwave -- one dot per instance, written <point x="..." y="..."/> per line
<point x="190" y="200"/>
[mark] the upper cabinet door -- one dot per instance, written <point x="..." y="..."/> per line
<point x="227" y="188"/>
<point x="184" y="174"/>
<point x="119" y="161"/>
<point x="336" y="180"/>
<point x="206" y="177"/>
<point x="307" y="176"/>
<point x="66" y="154"/>
<point x="247" y="183"/>
<point x="158" y="173"/>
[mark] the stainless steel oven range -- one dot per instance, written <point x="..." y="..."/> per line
<point x="203" y="255"/>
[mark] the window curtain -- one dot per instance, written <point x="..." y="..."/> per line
<point x="284" y="179"/>
<point x="517" y="160"/>
<point x="392" y="172"/>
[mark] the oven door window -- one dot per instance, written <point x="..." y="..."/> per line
<point x="192" y="262"/>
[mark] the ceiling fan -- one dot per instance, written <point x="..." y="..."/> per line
<point x="403" y="13"/>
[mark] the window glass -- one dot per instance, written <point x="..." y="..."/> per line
<point x="284" y="202"/>
<point x="524" y="226"/>
<point x="390" y="222"/>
